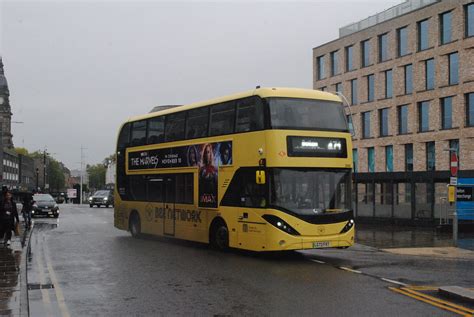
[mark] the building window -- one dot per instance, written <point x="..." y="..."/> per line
<point x="349" y="58"/>
<point x="469" y="19"/>
<point x="355" y="160"/>
<point x="429" y="74"/>
<point x="453" y="68"/>
<point x="338" y="87"/>
<point x="454" y="145"/>
<point x="408" y="79"/>
<point x="383" y="121"/>
<point x="389" y="158"/>
<point x="423" y="116"/>
<point x="370" y="87"/>
<point x="334" y="63"/>
<point x="403" y="119"/>
<point x="354" y="91"/>
<point x="350" y="124"/>
<point x="383" y="47"/>
<point x="365" y="48"/>
<point x="366" y="124"/>
<point x="470" y="109"/>
<point x="320" y="63"/>
<point x="430" y="156"/>
<point x="423" y="41"/>
<point x="371" y="159"/>
<point x="408" y="157"/>
<point x="446" y="112"/>
<point x="388" y="84"/>
<point x="323" y="88"/>
<point x="445" y="20"/>
<point x="402" y="39"/>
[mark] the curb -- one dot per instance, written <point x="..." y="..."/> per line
<point x="24" y="300"/>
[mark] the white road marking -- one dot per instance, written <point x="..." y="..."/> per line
<point x="349" y="270"/>
<point x="392" y="281"/>
<point x="317" y="261"/>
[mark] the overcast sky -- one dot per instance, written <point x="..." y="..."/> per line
<point x="77" y="69"/>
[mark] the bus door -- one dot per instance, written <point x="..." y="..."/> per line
<point x="169" y="195"/>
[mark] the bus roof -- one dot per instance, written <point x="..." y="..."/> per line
<point x="262" y="92"/>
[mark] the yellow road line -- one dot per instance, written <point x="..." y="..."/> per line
<point x="423" y="288"/>
<point x="417" y="297"/>
<point x="57" y="288"/>
<point x="443" y="302"/>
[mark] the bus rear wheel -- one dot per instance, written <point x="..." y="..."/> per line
<point x="220" y="236"/>
<point x="134" y="225"/>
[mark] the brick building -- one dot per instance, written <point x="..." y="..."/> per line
<point x="409" y="74"/>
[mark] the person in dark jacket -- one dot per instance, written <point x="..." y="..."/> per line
<point x="28" y="203"/>
<point x="8" y="215"/>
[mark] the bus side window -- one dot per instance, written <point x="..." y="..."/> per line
<point x="243" y="191"/>
<point x="222" y="118"/>
<point x="156" y="130"/>
<point x="249" y="114"/>
<point x="155" y="189"/>
<point x="138" y="187"/>
<point x="197" y="123"/>
<point x="174" y="127"/>
<point x="138" y="133"/>
<point x="124" y="137"/>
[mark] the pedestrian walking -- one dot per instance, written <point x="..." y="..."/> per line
<point x="28" y="203"/>
<point x="8" y="216"/>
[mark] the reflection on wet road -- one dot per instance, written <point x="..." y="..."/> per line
<point x="100" y="270"/>
<point x="9" y="288"/>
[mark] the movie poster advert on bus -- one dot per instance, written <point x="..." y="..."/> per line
<point x="207" y="157"/>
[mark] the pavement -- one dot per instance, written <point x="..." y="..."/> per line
<point x="405" y="257"/>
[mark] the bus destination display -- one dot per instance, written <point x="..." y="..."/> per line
<point x="316" y="147"/>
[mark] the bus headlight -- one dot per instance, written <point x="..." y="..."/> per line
<point x="280" y="224"/>
<point x="348" y="226"/>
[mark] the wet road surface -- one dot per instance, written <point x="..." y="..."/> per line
<point x="81" y="265"/>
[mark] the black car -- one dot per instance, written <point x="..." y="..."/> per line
<point x="102" y="198"/>
<point x="45" y="205"/>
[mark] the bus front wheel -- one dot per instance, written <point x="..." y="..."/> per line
<point x="219" y="235"/>
<point x="134" y="225"/>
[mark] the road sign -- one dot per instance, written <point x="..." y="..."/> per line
<point x="454" y="164"/>
<point x="451" y="194"/>
<point x="453" y="181"/>
<point x="72" y="193"/>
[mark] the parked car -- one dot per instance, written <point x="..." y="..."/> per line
<point x="102" y="198"/>
<point x="45" y="205"/>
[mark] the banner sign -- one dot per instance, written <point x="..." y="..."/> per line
<point x="207" y="157"/>
<point x="72" y="193"/>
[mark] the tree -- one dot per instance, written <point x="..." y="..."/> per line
<point x="55" y="175"/>
<point x="96" y="176"/>
<point x="22" y="151"/>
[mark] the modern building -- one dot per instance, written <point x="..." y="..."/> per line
<point x="408" y="73"/>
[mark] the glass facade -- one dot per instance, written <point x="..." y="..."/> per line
<point x="349" y="58"/>
<point x="388" y="84"/>
<point x="403" y="119"/>
<point x="366" y="124"/>
<point x="423" y="41"/>
<point x="429" y="74"/>
<point x="371" y="159"/>
<point x="383" y="47"/>
<point x="320" y="63"/>
<point x="402" y="39"/>
<point x="445" y="20"/>
<point x="365" y="48"/>
<point x="354" y="91"/>
<point x="469" y="20"/>
<point x="355" y="160"/>
<point x="383" y="121"/>
<point x="447" y="113"/>
<point x="334" y="63"/>
<point x="408" y="157"/>
<point x="423" y="116"/>
<point x="370" y="87"/>
<point x="453" y="68"/>
<point x="408" y="79"/>
<point x="430" y="156"/>
<point x="470" y="109"/>
<point x="389" y="158"/>
<point x="338" y="87"/>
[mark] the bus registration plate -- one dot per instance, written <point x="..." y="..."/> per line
<point x="321" y="244"/>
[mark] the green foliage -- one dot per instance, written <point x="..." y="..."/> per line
<point x="96" y="176"/>
<point x="22" y="151"/>
<point x="55" y="175"/>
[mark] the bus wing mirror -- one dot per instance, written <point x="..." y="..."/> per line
<point x="260" y="177"/>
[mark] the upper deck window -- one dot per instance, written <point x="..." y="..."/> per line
<point x="249" y="115"/>
<point x="222" y="118"/>
<point x="308" y="114"/>
<point x="138" y="133"/>
<point x="156" y="130"/>
<point x="197" y="123"/>
<point x="174" y="129"/>
<point x="124" y="137"/>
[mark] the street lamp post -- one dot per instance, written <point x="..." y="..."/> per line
<point x="37" y="178"/>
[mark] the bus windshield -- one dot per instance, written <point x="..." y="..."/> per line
<point x="294" y="113"/>
<point x="311" y="192"/>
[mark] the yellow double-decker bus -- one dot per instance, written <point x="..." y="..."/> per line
<point x="264" y="170"/>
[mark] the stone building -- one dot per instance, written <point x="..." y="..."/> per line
<point x="5" y="110"/>
<point x="408" y="73"/>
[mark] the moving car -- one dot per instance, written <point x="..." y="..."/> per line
<point x="45" y="205"/>
<point x="102" y="198"/>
